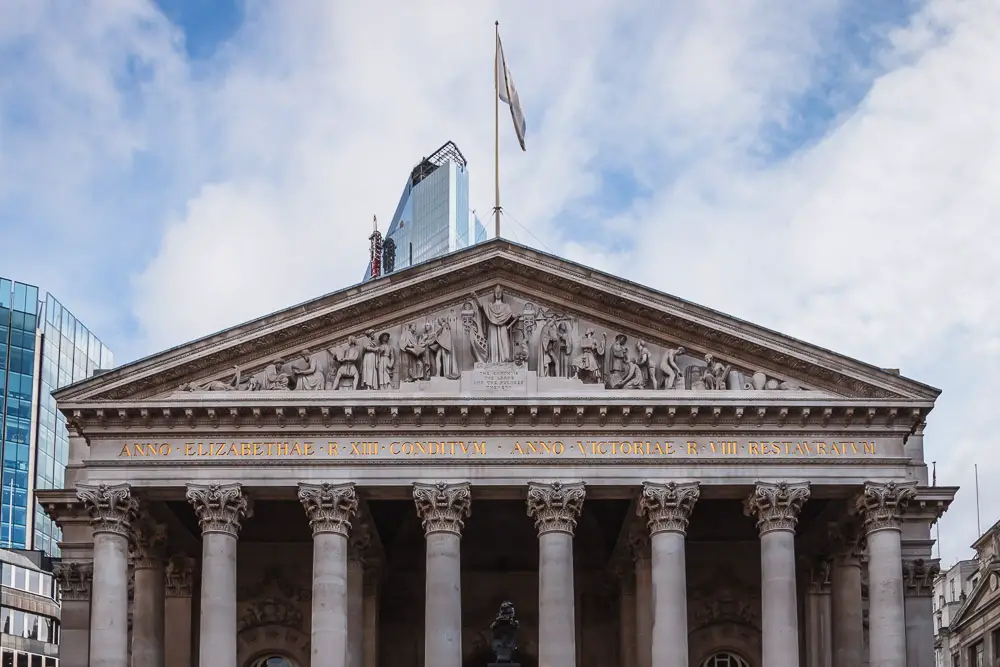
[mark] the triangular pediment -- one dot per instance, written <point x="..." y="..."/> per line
<point x="985" y="595"/>
<point x="570" y="327"/>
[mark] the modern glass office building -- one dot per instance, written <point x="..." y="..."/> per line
<point x="433" y="216"/>
<point x="43" y="347"/>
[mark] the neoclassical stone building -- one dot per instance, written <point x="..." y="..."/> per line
<point x="361" y="480"/>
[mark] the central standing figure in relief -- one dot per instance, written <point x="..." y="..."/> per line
<point x="495" y="321"/>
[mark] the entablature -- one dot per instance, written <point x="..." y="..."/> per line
<point x="779" y="409"/>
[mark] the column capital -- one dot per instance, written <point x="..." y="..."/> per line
<point x="179" y="576"/>
<point x="776" y="505"/>
<point x="442" y="507"/>
<point x="819" y="570"/>
<point x="847" y="541"/>
<point x="667" y="507"/>
<point x="146" y="547"/>
<point x="220" y="508"/>
<point x="359" y="542"/>
<point x="555" y="506"/>
<point x="330" y="507"/>
<point x="75" y="579"/>
<point x="883" y="504"/>
<point x="112" y="507"/>
<point x="919" y="575"/>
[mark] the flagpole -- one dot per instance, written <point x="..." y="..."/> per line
<point x="496" y="127"/>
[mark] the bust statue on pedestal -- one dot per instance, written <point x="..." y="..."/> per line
<point x="504" y="636"/>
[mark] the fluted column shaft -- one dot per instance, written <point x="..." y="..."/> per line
<point x="882" y="506"/>
<point x="112" y="510"/>
<point x="221" y="510"/>
<point x="555" y="508"/>
<point x="148" y="539"/>
<point x="442" y="508"/>
<point x="330" y="509"/>
<point x="177" y="622"/>
<point x="776" y="507"/>
<point x="846" y="605"/>
<point x="75" y="582"/>
<point x="667" y="508"/>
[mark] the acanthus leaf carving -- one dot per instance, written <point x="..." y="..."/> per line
<point x="75" y="579"/>
<point x="112" y="507"/>
<point x="220" y="508"/>
<point x="179" y="576"/>
<point x="668" y="506"/>
<point x="776" y="505"/>
<point x="882" y="504"/>
<point x="330" y="507"/>
<point x="555" y="506"/>
<point x="443" y="507"/>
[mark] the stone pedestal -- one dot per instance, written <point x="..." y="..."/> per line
<point x="882" y="506"/>
<point x="667" y="508"/>
<point x="555" y="508"/>
<point x="112" y="508"/>
<point x="776" y="507"/>
<point x="221" y="510"/>
<point x="442" y="508"/>
<point x="330" y="509"/>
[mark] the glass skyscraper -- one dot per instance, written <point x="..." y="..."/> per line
<point x="43" y="347"/>
<point x="433" y="215"/>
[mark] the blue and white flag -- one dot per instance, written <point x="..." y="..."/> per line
<point x="508" y="94"/>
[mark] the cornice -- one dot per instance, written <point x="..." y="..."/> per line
<point x="402" y="294"/>
<point x="641" y="409"/>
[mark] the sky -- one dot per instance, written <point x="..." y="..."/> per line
<point x="829" y="169"/>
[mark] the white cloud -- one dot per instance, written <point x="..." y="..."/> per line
<point x="878" y="239"/>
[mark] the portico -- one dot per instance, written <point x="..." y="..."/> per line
<point x="651" y="484"/>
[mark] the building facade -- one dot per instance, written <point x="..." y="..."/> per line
<point x="967" y="608"/>
<point x="29" y="613"/>
<point x="42" y="347"/>
<point x="648" y="482"/>
<point x="433" y="216"/>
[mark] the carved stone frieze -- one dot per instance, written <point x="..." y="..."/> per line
<point x="776" y="505"/>
<point x="724" y="599"/>
<point x="882" y="505"/>
<point x="555" y="506"/>
<point x="220" y="508"/>
<point x="505" y="329"/>
<point x="274" y="584"/>
<point x="629" y="305"/>
<point x="75" y="579"/>
<point x="179" y="576"/>
<point x="442" y="507"/>
<point x="330" y="507"/>
<point x="667" y="507"/>
<point x="112" y="508"/>
<point x="146" y="547"/>
<point x="919" y="575"/>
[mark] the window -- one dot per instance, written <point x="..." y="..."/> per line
<point x="273" y="661"/>
<point x="977" y="656"/>
<point x="726" y="659"/>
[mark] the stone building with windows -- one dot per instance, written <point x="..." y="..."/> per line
<point x="363" y="479"/>
<point x="968" y="624"/>
<point x="29" y="612"/>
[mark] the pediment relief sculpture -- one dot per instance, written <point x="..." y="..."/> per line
<point x="498" y="330"/>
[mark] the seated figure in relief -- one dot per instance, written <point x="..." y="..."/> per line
<point x="625" y="373"/>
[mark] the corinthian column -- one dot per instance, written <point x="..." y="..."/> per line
<point x="882" y="506"/>
<point x="179" y="587"/>
<point x="75" y="579"/>
<point x="776" y="507"/>
<point x="442" y="508"/>
<point x="555" y="508"/>
<point x="666" y="508"/>
<point x="112" y="510"/>
<point x="221" y="510"/>
<point x="148" y="539"/>
<point x="330" y="509"/>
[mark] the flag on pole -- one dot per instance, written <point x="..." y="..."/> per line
<point x="508" y="94"/>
